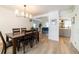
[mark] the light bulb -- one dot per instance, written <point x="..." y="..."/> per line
<point x="16" y="12"/>
<point x="30" y="16"/>
<point x="22" y="13"/>
<point x="27" y="15"/>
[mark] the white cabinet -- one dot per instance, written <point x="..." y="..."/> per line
<point x="65" y="32"/>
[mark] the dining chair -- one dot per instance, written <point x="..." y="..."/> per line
<point x="23" y="30"/>
<point x="15" y="32"/>
<point x="32" y="39"/>
<point x="27" y="40"/>
<point x="24" y="39"/>
<point x="37" y="35"/>
<point x="34" y="35"/>
<point x="5" y="44"/>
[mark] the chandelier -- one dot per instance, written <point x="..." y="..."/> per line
<point x="23" y="13"/>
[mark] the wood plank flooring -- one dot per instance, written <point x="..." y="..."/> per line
<point x="46" y="46"/>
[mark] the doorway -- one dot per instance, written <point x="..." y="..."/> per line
<point x="43" y="26"/>
<point x="65" y="35"/>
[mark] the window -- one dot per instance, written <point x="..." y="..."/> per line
<point x="34" y="25"/>
<point x="67" y="23"/>
<point x="47" y="24"/>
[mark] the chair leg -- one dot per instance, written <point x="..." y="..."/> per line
<point x="31" y="43"/>
<point x="18" y="45"/>
<point x="23" y="48"/>
<point x="2" y="51"/>
<point x="24" y="45"/>
<point x="37" y="40"/>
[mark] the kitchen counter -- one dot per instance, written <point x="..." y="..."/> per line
<point x="65" y="32"/>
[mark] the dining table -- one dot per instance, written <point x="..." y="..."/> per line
<point x="19" y="35"/>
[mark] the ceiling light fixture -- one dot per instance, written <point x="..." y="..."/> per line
<point x="23" y="13"/>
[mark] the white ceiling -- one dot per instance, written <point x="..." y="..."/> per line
<point x="38" y="9"/>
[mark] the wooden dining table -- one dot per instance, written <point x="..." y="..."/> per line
<point x="14" y="38"/>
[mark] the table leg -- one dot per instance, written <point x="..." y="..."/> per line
<point x="38" y="36"/>
<point x="7" y="38"/>
<point x="14" y="46"/>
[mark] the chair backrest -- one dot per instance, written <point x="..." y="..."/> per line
<point x="34" y="29"/>
<point x="23" y="30"/>
<point x="28" y="30"/>
<point x="16" y="30"/>
<point x="2" y="38"/>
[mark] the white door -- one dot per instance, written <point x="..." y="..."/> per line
<point x="54" y="26"/>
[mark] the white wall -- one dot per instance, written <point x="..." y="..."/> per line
<point x="66" y="14"/>
<point x="75" y="34"/>
<point x="75" y="30"/>
<point x="8" y="20"/>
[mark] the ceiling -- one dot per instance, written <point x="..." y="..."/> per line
<point x="38" y="9"/>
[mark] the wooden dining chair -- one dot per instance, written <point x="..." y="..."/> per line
<point x="27" y="40"/>
<point x="35" y="35"/>
<point x="15" y="32"/>
<point x="5" y="44"/>
<point x="31" y="37"/>
<point x="23" y="30"/>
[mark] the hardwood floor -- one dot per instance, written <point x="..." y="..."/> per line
<point x="46" y="46"/>
<point x="51" y="47"/>
<point x="65" y="46"/>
